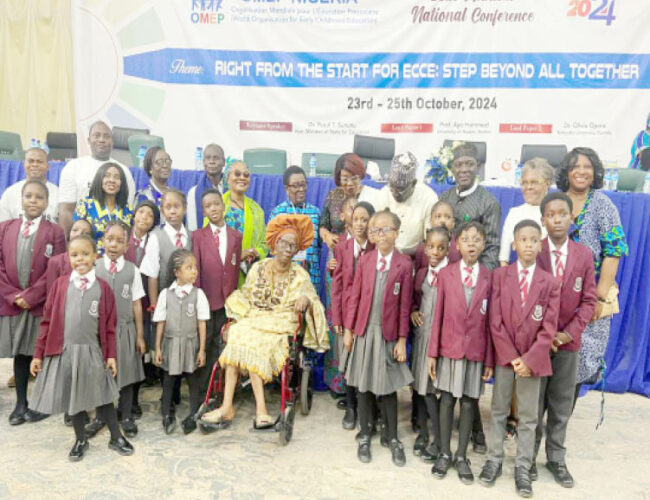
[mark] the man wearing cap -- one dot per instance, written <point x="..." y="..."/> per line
<point x="410" y="199"/>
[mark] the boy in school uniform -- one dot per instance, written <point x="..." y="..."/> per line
<point x="524" y="310"/>
<point x="217" y="249"/>
<point x="572" y="265"/>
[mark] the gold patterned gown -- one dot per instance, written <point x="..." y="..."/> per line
<point x="264" y="313"/>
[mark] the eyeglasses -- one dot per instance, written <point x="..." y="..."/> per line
<point x="352" y="179"/>
<point x="285" y="245"/>
<point x="238" y="173"/>
<point x="382" y="230"/>
<point x="298" y="186"/>
<point x="457" y="164"/>
<point x="162" y="162"/>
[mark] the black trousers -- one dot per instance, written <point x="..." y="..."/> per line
<point x="168" y="382"/>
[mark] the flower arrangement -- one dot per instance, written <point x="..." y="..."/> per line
<point x="439" y="166"/>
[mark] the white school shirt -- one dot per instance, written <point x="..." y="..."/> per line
<point x="564" y="252"/>
<point x="223" y="240"/>
<point x="11" y="203"/>
<point x="529" y="276"/>
<point x="137" y="290"/>
<point x="202" y="304"/>
<point x="192" y="223"/>
<point x="473" y="273"/>
<point x="358" y="248"/>
<point x="75" y="278"/>
<point x="150" y="265"/>
<point x="388" y="259"/>
<point x="516" y="215"/>
<point x="33" y="227"/>
<point x="78" y="174"/>
<point x="436" y="269"/>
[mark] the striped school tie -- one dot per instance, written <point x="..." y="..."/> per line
<point x="84" y="284"/>
<point x="25" y="232"/>
<point x="112" y="268"/>
<point x="382" y="265"/>
<point x="468" y="281"/>
<point x="434" y="278"/>
<point x="179" y="241"/>
<point x="523" y="285"/>
<point x="559" y="267"/>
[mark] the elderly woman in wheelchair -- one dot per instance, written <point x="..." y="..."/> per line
<point x="265" y="312"/>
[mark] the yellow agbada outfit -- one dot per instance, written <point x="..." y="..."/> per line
<point x="264" y="313"/>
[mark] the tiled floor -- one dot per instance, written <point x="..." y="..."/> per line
<point x="320" y="462"/>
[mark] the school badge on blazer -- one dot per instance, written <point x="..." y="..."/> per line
<point x="577" y="286"/>
<point x="396" y="289"/>
<point x="94" y="309"/>
<point x="48" y="250"/>
<point x="484" y="307"/>
<point x="125" y="291"/>
<point x="537" y="313"/>
<point x="233" y="261"/>
<point x="191" y="310"/>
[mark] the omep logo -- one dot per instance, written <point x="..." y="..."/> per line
<point x="207" y="12"/>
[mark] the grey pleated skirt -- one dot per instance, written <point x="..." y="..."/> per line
<point x="129" y="361"/>
<point x="342" y="354"/>
<point x="76" y="380"/>
<point x="179" y="354"/>
<point x="18" y="334"/>
<point x="420" y="361"/>
<point x="460" y="377"/>
<point x="372" y="367"/>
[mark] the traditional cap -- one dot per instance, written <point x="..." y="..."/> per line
<point x="402" y="168"/>
<point x="300" y="225"/>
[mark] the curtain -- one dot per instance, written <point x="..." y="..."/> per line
<point x="36" y="87"/>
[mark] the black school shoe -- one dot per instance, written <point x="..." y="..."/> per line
<point x="121" y="445"/>
<point x="129" y="427"/>
<point x="342" y="404"/>
<point x="420" y="445"/>
<point x="78" y="450"/>
<point x="363" y="452"/>
<point x="397" y="452"/>
<point x="560" y="474"/>
<point x="32" y="416"/>
<point x="93" y="428"/>
<point x="523" y="483"/>
<point x="169" y="423"/>
<point x="430" y="454"/>
<point x="439" y="470"/>
<point x="465" y="474"/>
<point x="17" y="416"/>
<point x="478" y="443"/>
<point x="490" y="472"/>
<point x="349" y="421"/>
<point x="188" y="425"/>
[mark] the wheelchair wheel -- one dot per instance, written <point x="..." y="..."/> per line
<point x="286" y="425"/>
<point x="306" y="390"/>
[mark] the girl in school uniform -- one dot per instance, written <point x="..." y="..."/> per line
<point x="442" y="215"/>
<point x="376" y="327"/>
<point x="75" y="350"/>
<point x="425" y="292"/>
<point x="124" y="278"/>
<point x="460" y="351"/>
<point x="26" y="246"/>
<point x="58" y="265"/>
<point x="146" y="217"/>
<point x="180" y="316"/>
<point x="347" y="254"/>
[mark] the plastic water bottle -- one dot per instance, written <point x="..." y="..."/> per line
<point x="46" y="148"/>
<point x="607" y="180"/>
<point x="518" y="175"/>
<point x="646" y="183"/>
<point x="38" y="144"/>
<point x="32" y="143"/>
<point x="141" y="154"/>
<point x="198" y="158"/>
<point x="614" y="179"/>
<point x="313" y="163"/>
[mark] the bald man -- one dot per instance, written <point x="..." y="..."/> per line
<point x="214" y="160"/>
<point x="36" y="167"/>
<point x="79" y="173"/>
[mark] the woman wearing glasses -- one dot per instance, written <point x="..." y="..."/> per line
<point x="536" y="179"/>
<point x="244" y="215"/>
<point x="158" y="166"/>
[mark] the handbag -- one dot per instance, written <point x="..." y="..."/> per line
<point x="610" y="305"/>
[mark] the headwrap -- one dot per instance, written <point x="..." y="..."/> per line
<point x="350" y="162"/>
<point x="464" y="149"/>
<point x="300" y="225"/>
<point x="402" y="169"/>
<point x="154" y="208"/>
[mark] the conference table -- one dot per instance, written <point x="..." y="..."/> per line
<point x="629" y="345"/>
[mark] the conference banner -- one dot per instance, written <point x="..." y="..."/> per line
<point x="307" y="75"/>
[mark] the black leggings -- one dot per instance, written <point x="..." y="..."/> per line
<point x="168" y="384"/>
<point x="351" y="397"/>
<point x="125" y="403"/>
<point x="105" y="413"/>
<point x="21" y="374"/>
<point x="447" y="403"/>
<point x="428" y="411"/>
<point x="388" y="408"/>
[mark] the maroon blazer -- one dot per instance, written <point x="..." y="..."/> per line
<point x="397" y="296"/>
<point x="421" y="260"/>
<point x="50" y="338"/>
<point x="56" y="267"/>
<point x="529" y="331"/>
<point x="343" y="277"/>
<point x="131" y="253"/>
<point x="48" y="241"/>
<point x="458" y="331"/>
<point x="579" y="292"/>
<point x="217" y="279"/>
<point x="420" y="276"/>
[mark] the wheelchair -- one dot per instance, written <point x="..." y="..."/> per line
<point x="296" y="388"/>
